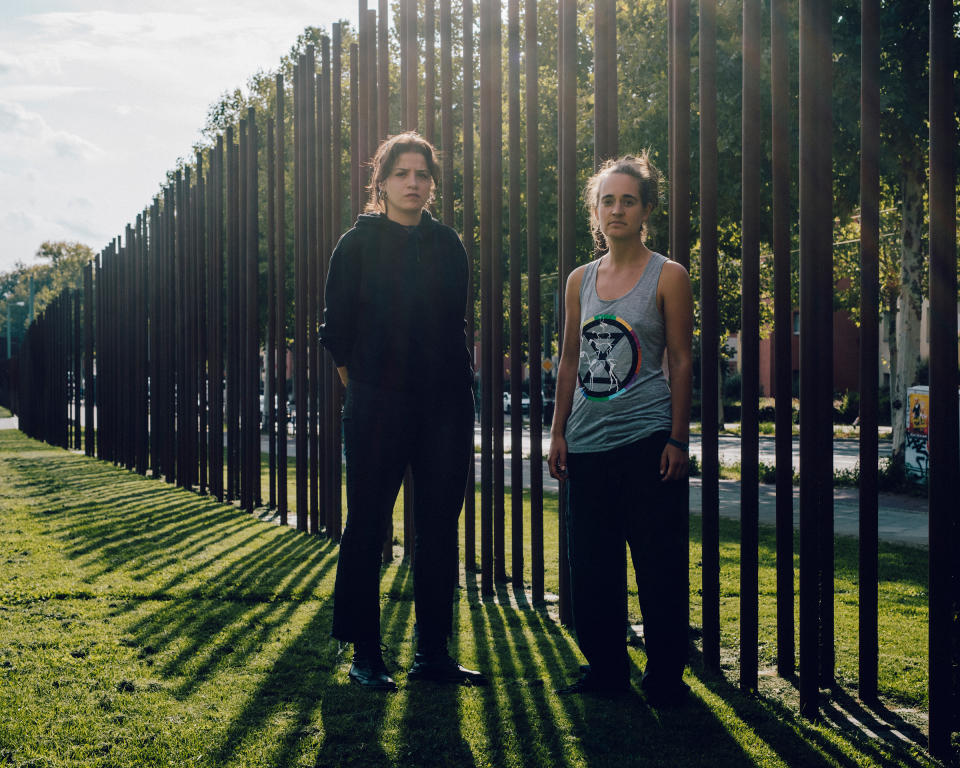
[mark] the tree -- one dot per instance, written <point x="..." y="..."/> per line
<point x="61" y="268"/>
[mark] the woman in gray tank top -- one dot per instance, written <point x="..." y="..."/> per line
<point x="619" y="438"/>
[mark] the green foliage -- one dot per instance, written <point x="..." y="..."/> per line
<point x="60" y="268"/>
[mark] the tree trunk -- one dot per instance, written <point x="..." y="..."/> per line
<point x="912" y="266"/>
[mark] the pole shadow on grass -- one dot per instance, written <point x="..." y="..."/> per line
<point x="353" y="717"/>
<point x="781" y="728"/>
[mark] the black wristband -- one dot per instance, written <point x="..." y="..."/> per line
<point x="677" y="444"/>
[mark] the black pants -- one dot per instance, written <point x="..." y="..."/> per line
<point x="384" y="431"/>
<point x="617" y="496"/>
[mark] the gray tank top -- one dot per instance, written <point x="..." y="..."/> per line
<point x="622" y="394"/>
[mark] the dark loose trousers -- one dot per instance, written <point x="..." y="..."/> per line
<point x="617" y="496"/>
<point x="384" y="431"/>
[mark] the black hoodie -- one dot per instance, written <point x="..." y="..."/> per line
<point x="396" y="301"/>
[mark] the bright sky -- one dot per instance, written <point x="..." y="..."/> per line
<point x="98" y="100"/>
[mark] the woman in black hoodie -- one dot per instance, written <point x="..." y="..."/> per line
<point x="394" y="321"/>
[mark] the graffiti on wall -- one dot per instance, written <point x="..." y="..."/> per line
<point x="917" y="440"/>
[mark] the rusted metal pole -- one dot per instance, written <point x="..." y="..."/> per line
<point x="313" y="283"/>
<point x="383" y="74"/>
<point x="446" y="116"/>
<point x="215" y="320"/>
<point x="868" y="639"/>
<point x="363" y="86"/>
<point x="412" y="51"/>
<point x="486" y="325"/>
<point x="605" y="123"/>
<point x="749" y="345"/>
<point x="516" y="312"/>
<point x="469" y="242"/>
<point x="253" y="314"/>
<point x="531" y="74"/>
<point x="233" y="317"/>
<point x="816" y="435"/>
<point x="356" y="204"/>
<point x="429" y="71"/>
<point x="373" y="100"/>
<point x="241" y="351"/>
<point x="336" y="129"/>
<point x="944" y="629"/>
<point x="89" y="383"/>
<point x="270" y="397"/>
<point x="567" y="205"/>
<point x="496" y="286"/>
<point x="331" y="396"/>
<point x="783" y="330"/>
<point x="200" y="330"/>
<point x="709" y="338"/>
<point x="300" y="301"/>
<point x="281" y="319"/>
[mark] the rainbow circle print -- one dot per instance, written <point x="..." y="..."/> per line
<point x="610" y="357"/>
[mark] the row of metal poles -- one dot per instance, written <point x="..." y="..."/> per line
<point x="177" y="310"/>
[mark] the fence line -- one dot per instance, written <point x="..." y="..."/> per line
<point x="157" y="359"/>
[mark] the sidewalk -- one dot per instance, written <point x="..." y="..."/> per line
<point x="902" y="519"/>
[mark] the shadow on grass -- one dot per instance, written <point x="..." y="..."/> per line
<point x="216" y="591"/>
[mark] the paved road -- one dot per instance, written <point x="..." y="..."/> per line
<point x="902" y="519"/>
<point x="846" y="452"/>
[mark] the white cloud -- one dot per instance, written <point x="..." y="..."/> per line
<point x="24" y="131"/>
<point x="98" y="102"/>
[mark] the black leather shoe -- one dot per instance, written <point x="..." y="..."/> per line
<point x="368" y="668"/>
<point x="441" y="668"/>
<point x="589" y="683"/>
<point x="662" y="695"/>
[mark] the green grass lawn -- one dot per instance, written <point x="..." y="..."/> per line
<point x="142" y="625"/>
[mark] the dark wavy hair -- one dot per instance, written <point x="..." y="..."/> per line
<point x="386" y="157"/>
<point x="649" y="179"/>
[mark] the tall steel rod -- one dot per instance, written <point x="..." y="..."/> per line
<point x="605" y="81"/>
<point x="709" y="338"/>
<point x="816" y="501"/>
<point x="233" y="317"/>
<point x="281" y="306"/>
<point x="313" y="283"/>
<point x="363" y="86"/>
<point x="446" y="116"/>
<point x="469" y="241"/>
<point x="270" y="396"/>
<point x="412" y="52"/>
<point x="383" y="73"/>
<point x="331" y="391"/>
<point x="215" y="318"/>
<point x="88" y="380"/>
<point x="868" y="639"/>
<point x="373" y="97"/>
<point x="300" y="300"/>
<point x="749" y="347"/>
<point x="496" y="285"/>
<point x="533" y="299"/>
<point x="486" y="315"/>
<point x="242" y="350"/>
<point x="336" y="213"/>
<point x="516" y="303"/>
<point x="356" y="203"/>
<point x="567" y="211"/>
<point x="202" y="322"/>
<point x="429" y="71"/>
<point x="944" y="602"/>
<point x="783" y="330"/>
